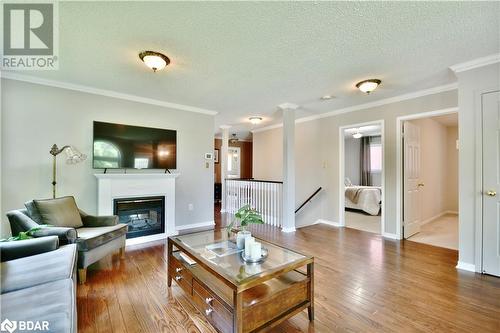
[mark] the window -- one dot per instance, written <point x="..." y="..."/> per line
<point x="375" y="157"/>
<point x="106" y="155"/>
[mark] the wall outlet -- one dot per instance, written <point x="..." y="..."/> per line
<point x="191" y="207"/>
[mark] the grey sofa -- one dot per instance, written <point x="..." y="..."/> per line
<point x="95" y="236"/>
<point x="38" y="283"/>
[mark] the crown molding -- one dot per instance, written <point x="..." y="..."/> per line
<point x="103" y="92"/>
<point x="476" y="63"/>
<point x="381" y="102"/>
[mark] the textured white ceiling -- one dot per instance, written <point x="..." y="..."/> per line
<point x="245" y="58"/>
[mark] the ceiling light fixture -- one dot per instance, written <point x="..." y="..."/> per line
<point x="367" y="86"/>
<point x="234" y="138"/>
<point x="154" y="60"/>
<point x="326" y="97"/>
<point x="357" y="135"/>
<point x="255" y="120"/>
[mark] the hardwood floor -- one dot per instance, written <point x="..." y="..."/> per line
<point x="363" y="283"/>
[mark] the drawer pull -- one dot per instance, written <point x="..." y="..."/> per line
<point x="178" y="277"/>
<point x="177" y="270"/>
<point x="208" y="311"/>
<point x="208" y="300"/>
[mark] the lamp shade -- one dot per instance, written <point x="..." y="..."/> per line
<point x="74" y="156"/>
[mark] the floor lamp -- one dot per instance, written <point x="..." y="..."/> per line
<point x="74" y="156"/>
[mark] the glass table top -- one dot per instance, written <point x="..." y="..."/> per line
<point x="218" y="249"/>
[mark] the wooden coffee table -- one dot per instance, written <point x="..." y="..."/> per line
<point x="239" y="297"/>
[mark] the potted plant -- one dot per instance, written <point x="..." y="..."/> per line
<point x="25" y="234"/>
<point x="245" y="215"/>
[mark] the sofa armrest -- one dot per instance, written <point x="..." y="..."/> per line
<point x="65" y="235"/>
<point x="20" y="222"/>
<point x="28" y="247"/>
<point x="98" y="221"/>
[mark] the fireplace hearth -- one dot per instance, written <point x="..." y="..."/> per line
<point x="144" y="215"/>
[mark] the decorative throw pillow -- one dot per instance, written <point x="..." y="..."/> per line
<point x="33" y="211"/>
<point x="59" y="212"/>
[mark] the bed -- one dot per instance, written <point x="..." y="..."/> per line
<point x="365" y="198"/>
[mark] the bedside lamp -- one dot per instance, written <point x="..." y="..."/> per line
<point x="73" y="156"/>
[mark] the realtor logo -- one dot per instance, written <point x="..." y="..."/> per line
<point x="30" y="32"/>
<point x="8" y="326"/>
<point x="24" y="325"/>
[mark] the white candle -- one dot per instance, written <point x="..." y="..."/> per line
<point x="256" y="250"/>
<point x="248" y="244"/>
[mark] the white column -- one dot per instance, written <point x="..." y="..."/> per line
<point x="223" y="164"/>
<point x="288" y="166"/>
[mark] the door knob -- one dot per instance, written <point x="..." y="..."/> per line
<point x="421" y="184"/>
<point x="491" y="193"/>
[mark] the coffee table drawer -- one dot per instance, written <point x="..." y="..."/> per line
<point x="181" y="275"/>
<point x="212" y="308"/>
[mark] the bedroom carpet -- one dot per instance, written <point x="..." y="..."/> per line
<point x="442" y="232"/>
<point x="362" y="221"/>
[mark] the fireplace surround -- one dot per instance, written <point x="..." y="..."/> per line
<point x="130" y="186"/>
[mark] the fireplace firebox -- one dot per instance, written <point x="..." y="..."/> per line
<point x="145" y="216"/>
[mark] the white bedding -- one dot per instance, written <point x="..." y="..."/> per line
<point x="369" y="199"/>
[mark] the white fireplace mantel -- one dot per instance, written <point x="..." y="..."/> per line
<point x="112" y="186"/>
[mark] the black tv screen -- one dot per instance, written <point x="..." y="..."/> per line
<point x="132" y="147"/>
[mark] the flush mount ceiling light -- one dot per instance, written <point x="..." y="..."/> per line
<point x="255" y="120"/>
<point x="357" y="135"/>
<point x="154" y="60"/>
<point x="367" y="86"/>
<point x="326" y="97"/>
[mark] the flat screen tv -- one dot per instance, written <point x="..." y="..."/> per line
<point x="119" y="146"/>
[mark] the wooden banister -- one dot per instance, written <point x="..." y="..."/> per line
<point x="308" y="199"/>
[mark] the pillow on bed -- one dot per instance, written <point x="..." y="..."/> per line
<point x="347" y="182"/>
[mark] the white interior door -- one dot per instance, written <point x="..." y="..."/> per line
<point x="491" y="183"/>
<point x="411" y="183"/>
<point x="234" y="162"/>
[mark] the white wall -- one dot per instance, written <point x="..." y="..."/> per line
<point x="34" y="117"/>
<point x="451" y="200"/>
<point x="437" y="168"/>
<point x="471" y="84"/>
<point x="352" y="155"/>
<point x="323" y="135"/>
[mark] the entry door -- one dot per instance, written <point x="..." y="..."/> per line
<point x="491" y="183"/>
<point x="411" y="184"/>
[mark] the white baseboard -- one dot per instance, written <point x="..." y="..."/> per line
<point x="390" y="236"/>
<point x="291" y="229"/>
<point x="195" y="225"/>
<point x="335" y="224"/>
<point x="443" y="213"/>
<point x="146" y="239"/>
<point x="466" y="266"/>
<point x="332" y="223"/>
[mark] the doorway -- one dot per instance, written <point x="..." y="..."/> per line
<point x="362" y="176"/>
<point x="429" y="178"/>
